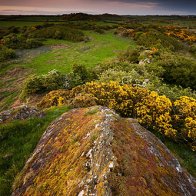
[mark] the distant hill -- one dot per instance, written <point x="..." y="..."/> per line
<point x="84" y="16"/>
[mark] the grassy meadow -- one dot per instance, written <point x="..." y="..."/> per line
<point x="64" y="54"/>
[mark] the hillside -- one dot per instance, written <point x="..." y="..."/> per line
<point x="141" y="67"/>
<point x="95" y="151"/>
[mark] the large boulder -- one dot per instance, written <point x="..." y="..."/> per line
<point x="93" y="151"/>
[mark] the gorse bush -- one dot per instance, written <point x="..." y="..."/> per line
<point x="173" y="92"/>
<point x="159" y="40"/>
<point x="172" y="119"/>
<point x="181" y="33"/>
<point x="165" y="72"/>
<point x="154" y="112"/>
<point x="185" y="117"/>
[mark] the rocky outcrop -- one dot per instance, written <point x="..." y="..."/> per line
<point x="93" y="151"/>
<point x="20" y="113"/>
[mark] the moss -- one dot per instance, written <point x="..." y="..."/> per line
<point x="140" y="172"/>
<point x="142" y="165"/>
<point x="63" y="166"/>
<point x="92" y="111"/>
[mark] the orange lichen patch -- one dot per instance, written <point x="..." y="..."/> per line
<point x="144" y="164"/>
<point x="93" y="151"/>
<point x="59" y="165"/>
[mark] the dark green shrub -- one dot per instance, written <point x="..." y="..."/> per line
<point x="99" y="30"/>
<point x="11" y="41"/>
<point x="80" y="75"/>
<point x="16" y="41"/>
<point x="193" y="50"/>
<point x="6" y="53"/>
<point x="179" y="70"/>
<point x="81" y="71"/>
<point x="130" y="55"/>
<point x="159" y="40"/>
<point x="32" y="43"/>
<point x="58" y="32"/>
<point x="44" y="83"/>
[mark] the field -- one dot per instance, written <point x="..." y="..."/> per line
<point x="64" y="54"/>
<point x="101" y="49"/>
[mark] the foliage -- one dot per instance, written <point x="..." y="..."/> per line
<point x="159" y="40"/>
<point x="185" y="117"/>
<point x="130" y="55"/>
<point x="180" y="33"/>
<point x="152" y="110"/>
<point x="16" y="41"/>
<point x="113" y="75"/>
<point x="83" y="100"/>
<point x="6" y="53"/>
<point x="125" y="32"/>
<point x="193" y="50"/>
<point x="81" y="71"/>
<point x="54" y="98"/>
<point x="178" y="70"/>
<point x="58" y="32"/>
<point x="44" y="83"/>
<point x="173" y="92"/>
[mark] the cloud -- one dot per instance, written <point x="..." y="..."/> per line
<point x="110" y="6"/>
<point x="171" y="4"/>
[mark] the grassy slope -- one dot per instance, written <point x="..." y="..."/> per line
<point x="17" y="140"/>
<point x="100" y="48"/>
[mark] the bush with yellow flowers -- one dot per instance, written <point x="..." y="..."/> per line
<point x="185" y="117"/>
<point x="155" y="112"/>
<point x="83" y="100"/>
<point x="175" y="120"/>
<point x="180" y="33"/>
<point x="54" y="98"/>
<point x="121" y="98"/>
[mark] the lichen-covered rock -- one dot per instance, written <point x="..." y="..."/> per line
<point x="20" y="113"/>
<point x="93" y="151"/>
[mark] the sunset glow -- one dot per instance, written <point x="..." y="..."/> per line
<point x="123" y="7"/>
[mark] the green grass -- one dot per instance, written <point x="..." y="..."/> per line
<point x="101" y="47"/>
<point x="182" y="152"/>
<point x="17" y="141"/>
<point x="185" y="156"/>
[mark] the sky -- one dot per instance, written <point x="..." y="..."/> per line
<point x="121" y="7"/>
